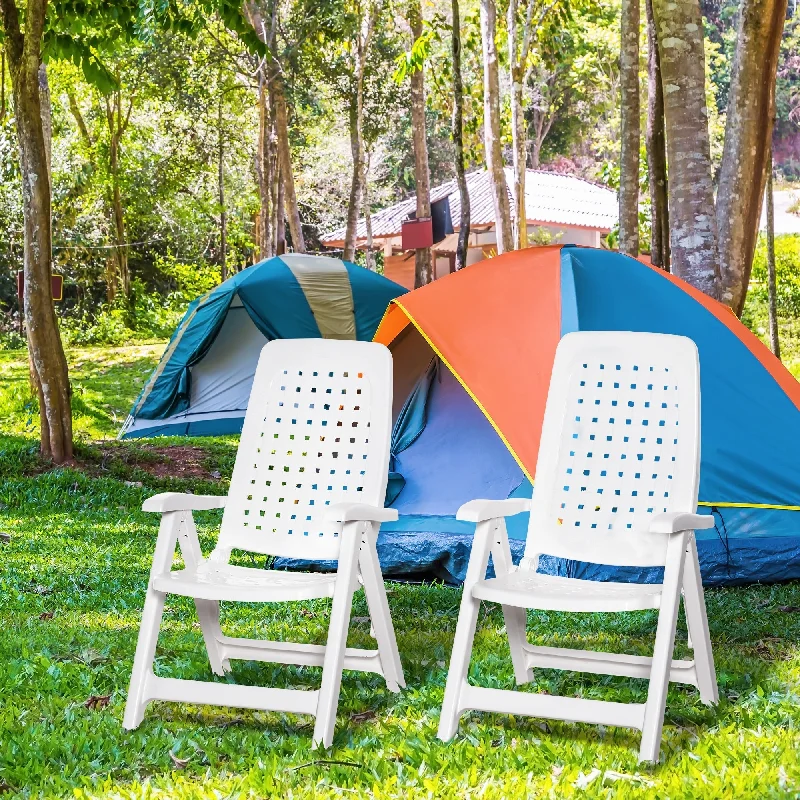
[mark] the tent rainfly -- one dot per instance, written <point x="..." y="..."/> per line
<point x="202" y="382"/>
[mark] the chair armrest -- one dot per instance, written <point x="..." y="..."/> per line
<point x="359" y="512"/>
<point x="677" y="521"/>
<point x="176" y="501"/>
<point x="482" y="510"/>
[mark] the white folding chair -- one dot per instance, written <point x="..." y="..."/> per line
<point x="309" y="482"/>
<point x="616" y="484"/>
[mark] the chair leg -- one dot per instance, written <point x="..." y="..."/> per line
<point x="516" y="627"/>
<point x="143" y="660"/>
<point x="662" y="652"/>
<point x="208" y="614"/>
<point x="459" y="665"/>
<point x="380" y="616"/>
<point x="697" y="624"/>
<point x="333" y="662"/>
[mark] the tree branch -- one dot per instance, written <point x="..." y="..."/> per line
<point x="76" y="112"/>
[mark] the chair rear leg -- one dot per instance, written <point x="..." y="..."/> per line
<point x="662" y="653"/>
<point x="380" y="616"/>
<point x="333" y="662"/>
<point x="697" y="624"/>
<point x="143" y="660"/>
<point x="516" y="622"/>
<point x="208" y="614"/>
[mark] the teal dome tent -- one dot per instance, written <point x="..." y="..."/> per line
<point x="202" y="382"/>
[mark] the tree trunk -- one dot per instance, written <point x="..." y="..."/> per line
<point x="693" y="224"/>
<point x="370" y="255"/>
<point x="771" y="278"/>
<point x="44" y="342"/>
<point x="656" y="145"/>
<point x="518" y="134"/>
<point x="223" y="216"/>
<point x="748" y="131"/>
<point x="292" y="210"/>
<point x="120" y="249"/>
<point x="458" y="140"/>
<point x="491" y="128"/>
<point x="265" y="170"/>
<point x="629" y="130"/>
<point x="280" y="213"/>
<point x="423" y="266"/>
<point x="356" y="185"/>
<point x="116" y="129"/>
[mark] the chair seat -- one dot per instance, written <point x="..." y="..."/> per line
<point x="527" y="589"/>
<point x="212" y="581"/>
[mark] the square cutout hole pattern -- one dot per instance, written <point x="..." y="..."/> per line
<point x="313" y="450"/>
<point x="619" y="451"/>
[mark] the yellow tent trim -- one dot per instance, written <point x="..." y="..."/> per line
<point x="749" y="505"/>
<point x="466" y="388"/>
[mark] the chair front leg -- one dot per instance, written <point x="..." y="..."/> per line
<point x="379" y="613"/>
<point x="151" y="620"/>
<point x="333" y="663"/>
<point x="465" y="630"/>
<point x="516" y="618"/>
<point x="663" y="650"/>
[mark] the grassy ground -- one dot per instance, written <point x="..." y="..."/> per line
<point x="74" y="560"/>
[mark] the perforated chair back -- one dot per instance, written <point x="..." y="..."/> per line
<point x="316" y="432"/>
<point x="620" y="443"/>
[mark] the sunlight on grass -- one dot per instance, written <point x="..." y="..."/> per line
<point x="105" y="382"/>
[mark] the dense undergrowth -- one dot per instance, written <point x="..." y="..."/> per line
<point x="74" y="557"/>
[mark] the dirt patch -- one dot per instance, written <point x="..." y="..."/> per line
<point x="127" y="461"/>
<point x="176" y="461"/>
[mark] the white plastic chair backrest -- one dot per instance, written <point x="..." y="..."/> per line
<point x="316" y="433"/>
<point x="620" y="443"/>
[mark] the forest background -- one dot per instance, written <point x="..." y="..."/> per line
<point x="166" y="136"/>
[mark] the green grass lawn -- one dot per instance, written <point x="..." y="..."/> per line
<point x="73" y="570"/>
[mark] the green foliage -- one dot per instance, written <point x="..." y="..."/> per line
<point x="787" y="273"/>
<point x="72" y="581"/>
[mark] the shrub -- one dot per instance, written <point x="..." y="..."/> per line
<point x="787" y="273"/>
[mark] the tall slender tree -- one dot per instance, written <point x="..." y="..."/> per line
<point x="23" y="50"/>
<point x="359" y="44"/>
<point x="458" y="138"/>
<point x="656" y="146"/>
<point x="772" y="288"/>
<point x="630" y="133"/>
<point x="262" y="15"/>
<point x="491" y="127"/>
<point x="693" y="223"/>
<point x="423" y="265"/>
<point x="748" y="132"/>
